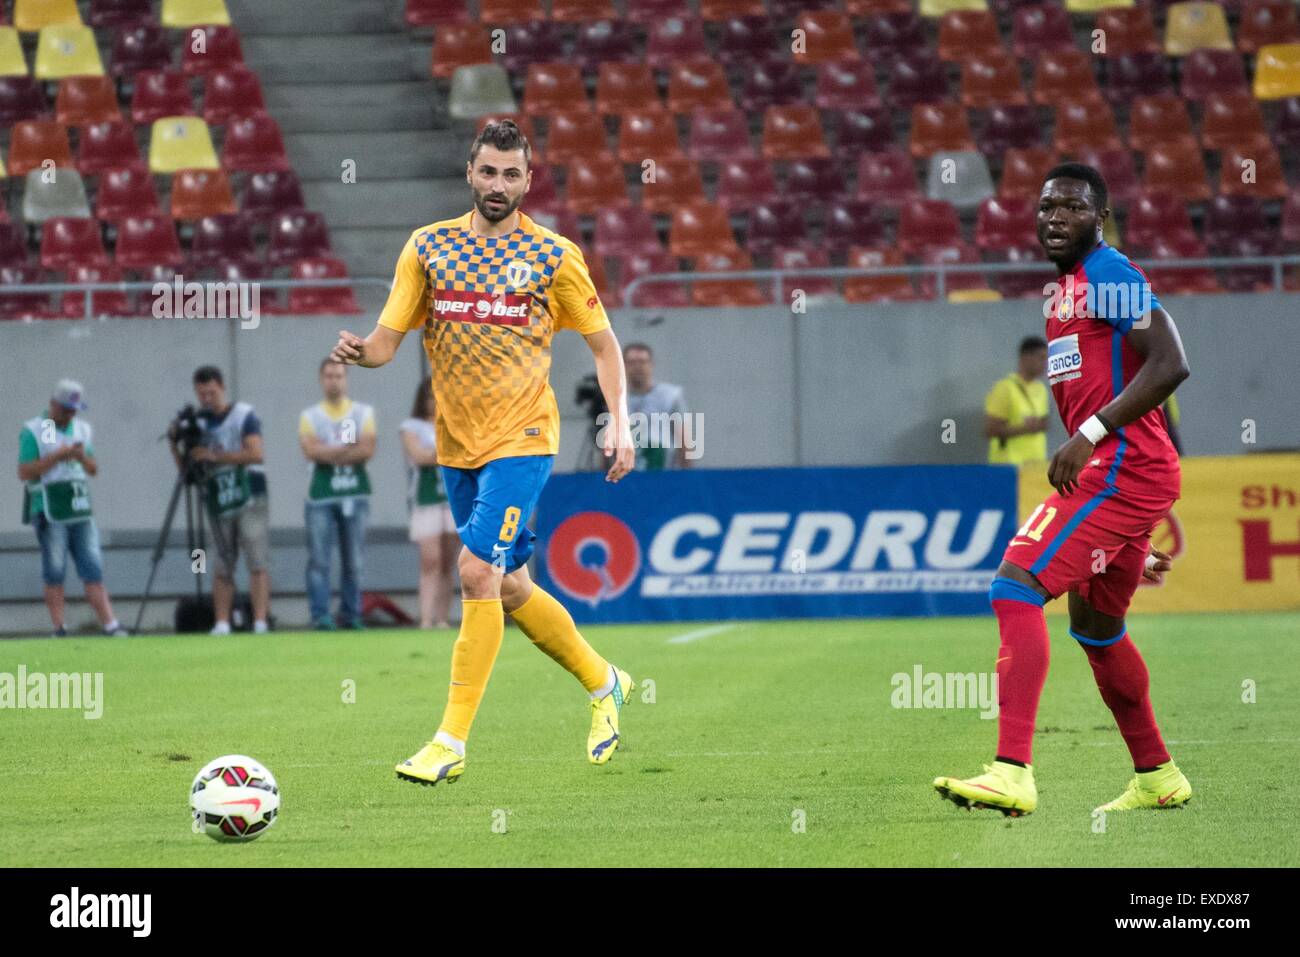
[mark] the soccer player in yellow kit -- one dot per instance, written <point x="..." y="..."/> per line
<point x="489" y="290"/>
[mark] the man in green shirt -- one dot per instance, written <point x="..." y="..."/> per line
<point x="56" y="460"/>
<point x="1015" y="410"/>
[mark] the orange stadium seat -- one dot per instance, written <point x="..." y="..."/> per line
<point x="1267" y="21"/>
<point x="554" y="88"/>
<point x="939" y="126"/>
<point x="1023" y="170"/>
<point x="1161" y="118"/>
<point x="1066" y="75"/>
<point x="456" y="45"/>
<point x="498" y="12"/>
<point x="621" y="87"/>
<point x="31" y="142"/>
<point x="128" y="191"/>
<point x="793" y="132"/>
<point x="1127" y="30"/>
<point x="967" y="33"/>
<point x="1084" y="125"/>
<point x="1179" y="169"/>
<point x="1252" y="169"/>
<point x="991" y="79"/>
<point x="895" y="288"/>
<point x="83" y="100"/>
<point x="582" y="11"/>
<point x="573" y="135"/>
<point x="594" y="181"/>
<point x="700" y="228"/>
<point x="201" y="192"/>
<point x="714" y="10"/>
<point x="710" y="293"/>
<point x="923" y="223"/>
<point x="67" y="242"/>
<point x="677" y="180"/>
<point x="648" y="135"/>
<point x="698" y="85"/>
<point x="827" y="38"/>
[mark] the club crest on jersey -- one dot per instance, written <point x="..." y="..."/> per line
<point x="1065" y="308"/>
<point x="519" y="274"/>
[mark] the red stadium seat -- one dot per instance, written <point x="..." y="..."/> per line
<point x="1117" y="168"/>
<point x="648" y="11"/>
<point x="803" y="256"/>
<point x="83" y="100"/>
<point x="103" y="303"/>
<point x="715" y="293"/>
<point x="827" y="38"/>
<point x="849" y="223"/>
<point x="713" y="10"/>
<point x="594" y="181"/>
<point x="1231" y="119"/>
<point x="1131" y="75"/>
<point x="160" y="93"/>
<point x="793" y="132"/>
<point x="744" y="182"/>
<point x="1063" y="76"/>
<point x="295" y="236"/>
<point x="128" y="191"/>
<point x="1156" y="119"/>
<point x="658" y="295"/>
<point x="1040" y="30"/>
<point x="887" y="177"/>
<point x="24" y="306"/>
<point x="554" y="88"/>
<point x="813" y="180"/>
<point x="1178" y="169"/>
<point x="849" y="85"/>
<point x="1007" y="222"/>
<point x="322" y="300"/>
<point x="939" y="126"/>
<point x="1290" y="220"/>
<point x="625" y="230"/>
<point x="579" y="11"/>
<point x="1153" y="215"/>
<point x="254" y="143"/>
<point x="1028" y="283"/>
<point x="923" y="223"/>
<point x="430" y="13"/>
<point x="1286" y="130"/>
<point x="1187" y="281"/>
<point x="864" y="131"/>
<point x="1023" y="171"/>
<point x="1084" y="125"/>
<point x="231" y="93"/>
<point x="787" y="10"/>
<point x="771" y="84"/>
<point x="891" y="36"/>
<point x="108" y="146"/>
<point x="219" y="49"/>
<point x="201" y="192"/>
<point x="674" y="40"/>
<point x="967" y="33"/>
<point x="456" y="45"/>
<point x="1252" y="169"/>
<point x="497" y="12"/>
<point x="573" y="135"/>
<point x="32" y="142"/>
<point x="66" y="243"/>
<point x="774" y="222"/>
<point x="991" y="79"/>
<point x="698" y="85"/>
<point x="1010" y="127"/>
<point x="699" y="229"/>
<point x="624" y="87"/>
<point x="268" y="192"/>
<point x="917" y="80"/>
<point x="868" y="8"/>
<point x="105" y="14"/>
<point x="144" y="242"/>
<point x="958" y="254"/>
<point x="222" y="238"/>
<point x="535" y="41"/>
<point x="1207" y="71"/>
<point x="1238" y="226"/>
<point x="648" y="134"/>
<point x="1127" y="30"/>
<point x="13" y="245"/>
<point x="21" y="98"/>
<point x="895" y="288"/>
<point x="747" y="40"/>
<point x="138" y="48"/>
<point x="1267" y="21"/>
<point x="543" y="194"/>
<point x="719" y="135"/>
<point x="676" y="181"/>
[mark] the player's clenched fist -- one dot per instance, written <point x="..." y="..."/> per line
<point x="350" y="348"/>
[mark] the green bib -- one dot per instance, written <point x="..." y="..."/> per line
<point x="332" y="482"/>
<point x="67" y="501"/>
<point x="654" y="458"/>
<point x="429" y="490"/>
<point x="229" y="490"/>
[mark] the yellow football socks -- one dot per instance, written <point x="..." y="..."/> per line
<point x="550" y="627"/>
<point x="481" y="630"/>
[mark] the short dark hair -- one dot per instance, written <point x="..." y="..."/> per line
<point x="1032" y="344"/>
<point x="505" y="135"/>
<point x="638" y="345"/>
<point x="208" y="374"/>
<point x="1086" y="173"/>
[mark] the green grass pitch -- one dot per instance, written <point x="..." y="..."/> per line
<point x="770" y="743"/>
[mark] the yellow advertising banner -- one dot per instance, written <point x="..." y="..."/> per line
<point x="1234" y="535"/>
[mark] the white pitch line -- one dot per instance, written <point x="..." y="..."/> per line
<point x="700" y="633"/>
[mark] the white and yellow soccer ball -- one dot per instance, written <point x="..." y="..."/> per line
<point x="234" y="798"/>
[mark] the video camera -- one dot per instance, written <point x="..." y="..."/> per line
<point x="186" y="434"/>
<point x="589" y="396"/>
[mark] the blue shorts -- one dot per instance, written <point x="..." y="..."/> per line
<point x="79" y="538"/>
<point x="492" y="503"/>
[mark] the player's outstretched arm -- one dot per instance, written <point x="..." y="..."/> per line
<point x="373" y="351"/>
<point x="613" y="385"/>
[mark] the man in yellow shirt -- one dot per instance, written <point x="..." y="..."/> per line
<point x="1015" y="410"/>
<point x="489" y="290"/>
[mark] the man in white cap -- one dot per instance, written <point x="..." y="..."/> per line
<point x="56" y="460"/>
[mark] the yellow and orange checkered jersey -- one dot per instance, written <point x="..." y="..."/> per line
<point x="488" y="308"/>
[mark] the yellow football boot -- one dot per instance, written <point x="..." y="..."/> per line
<point x="1165" y="787"/>
<point x="432" y="763"/>
<point x="603" y="739"/>
<point x="1008" y="788"/>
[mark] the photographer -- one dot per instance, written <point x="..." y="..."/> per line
<point x="227" y="457"/>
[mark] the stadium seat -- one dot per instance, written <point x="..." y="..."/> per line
<point x="83" y="100"/>
<point x="1252" y="169"/>
<point x="887" y="288"/>
<point x="1085" y="125"/>
<point x="209" y="48"/>
<point x="674" y="40"/>
<point x="934" y="9"/>
<point x="178" y="14"/>
<point x="803" y="256"/>
<point x="1286" y="129"/>
<point x="746" y="40"/>
<point x="103" y="303"/>
<point x="593" y="181"/>
<point x="138" y="48"/>
<point x="1065" y="76"/>
<point x="967" y="33"/>
<point x="623" y="87"/>
<point x="106" y="146"/>
<point x="500" y="12"/>
<point x="676" y="181"/>
<point x="793" y="132"/>
<point x="1265" y="22"/>
<point x="939" y="126"/>
<point x="1195" y="26"/>
<point x="543" y="194"/>
<point x="649" y="134"/>
<point x="1291" y="219"/>
<point x="13" y="244"/>
<point x="233" y="92"/>
<point x="1277" y="71"/>
<point x="827" y="38"/>
<point x="714" y="10"/>
<point x="744" y="181"/>
<point x="770" y="84"/>
<point x="1152" y="215"/>
<point x="1214" y="71"/>
<point x="118" y="13"/>
<point x="698" y="85"/>
<point x="128" y="191"/>
<point x="321" y="300"/>
<point x="851" y="222"/>
<point x="605" y="41"/>
<point x="657" y="295"/>
<point x="21" y="98"/>
<point x="24" y="306"/>
<point x="849" y="85"/>
<point x="32" y="142"/>
<point x="433" y="13"/>
<point x="868" y="8"/>
<point x="574" y="135"/>
<point x="717" y="293"/>
<point x="1127" y="30"/>
<point x="144" y="242"/>
<point x="648" y="11"/>
<point x="252" y="143"/>
<point x="1023" y="170"/>
<point x="554" y="88"/>
<point x="960" y="177"/>
<point x="719" y="135"/>
<point x="1006" y="222"/>
<point x="953" y="283"/>
<point x="1177" y="168"/>
<point x="183" y="142"/>
<point x="991" y="79"/>
<point x="480" y="90"/>
<point x="889" y="36"/>
<point x="927" y="222"/>
<point x="1026" y="283"/>
<point x="1117" y="168"/>
<point x="201" y="192"/>
<point x="1231" y="119"/>
<point x="12" y="60"/>
<point x="534" y="41"/>
<point x="299" y="235"/>
<point x="1131" y="75"/>
<point x="625" y="230"/>
<point x="160" y="93"/>
<point x="916" y="80"/>
<point x="32" y="16"/>
<point x="580" y="11"/>
<point x="63" y="51"/>
<point x="887" y="177"/>
<point x="773" y="222"/>
<point x="456" y="45"/>
<point x="813" y="179"/>
<point x="67" y="242"/>
<point x="1238" y="226"/>
<point x="1093" y="6"/>
<point x="1009" y="127"/>
<point x="698" y="229"/>
<point x="1039" y="30"/>
<point x="790" y="10"/>
<point x="1179" y="282"/>
<point x="863" y="131"/>
<point x="1159" y="118"/>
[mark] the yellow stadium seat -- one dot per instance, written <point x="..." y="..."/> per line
<point x="12" y="61"/>
<point x="67" y="51"/>
<point x="1110" y="232"/>
<point x="1092" y="6"/>
<point x="33" y="15"/>
<point x="937" y="8"/>
<point x="975" y="295"/>
<point x="4" y="173"/>
<point x="195" y="13"/>
<point x="1277" y="71"/>
<point x="181" y="142"/>
<point x="1191" y="26"/>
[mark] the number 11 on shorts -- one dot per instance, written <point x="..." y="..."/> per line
<point x="1035" y="533"/>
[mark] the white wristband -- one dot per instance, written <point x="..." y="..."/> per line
<point x="1093" y="430"/>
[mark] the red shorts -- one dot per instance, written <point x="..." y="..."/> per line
<point x="1093" y="541"/>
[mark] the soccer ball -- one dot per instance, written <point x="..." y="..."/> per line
<point x="234" y="798"/>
